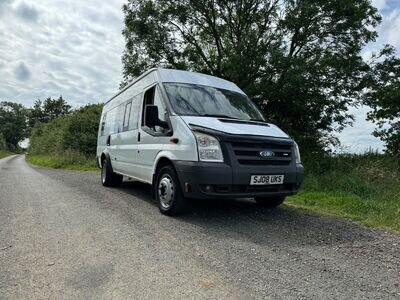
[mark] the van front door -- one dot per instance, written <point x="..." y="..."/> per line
<point x="152" y="140"/>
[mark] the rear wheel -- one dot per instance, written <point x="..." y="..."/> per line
<point x="108" y="177"/>
<point x="270" y="202"/>
<point x="168" y="192"/>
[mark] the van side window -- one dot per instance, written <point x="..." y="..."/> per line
<point x="126" y="116"/>
<point x="134" y="116"/>
<point x="153" y="97"/>
<point x="103" y="124"/>
<point x="110" y="122"/>
<point x="120" y="118"/>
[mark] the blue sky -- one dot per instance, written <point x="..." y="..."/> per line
<point x="73" y="48"/>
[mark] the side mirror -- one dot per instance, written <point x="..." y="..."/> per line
<point x="151" y="117"/>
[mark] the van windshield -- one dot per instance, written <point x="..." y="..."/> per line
<point x="200" y="100"/>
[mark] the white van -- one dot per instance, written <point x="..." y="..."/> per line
<point x="192" y="135"/>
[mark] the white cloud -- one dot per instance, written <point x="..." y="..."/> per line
<point x="69" y="48"/>
<point x="389" y="31"/>
<point x="379" y="4"/>
<point x="358" y="138"/>
<point x="5" y="6"/>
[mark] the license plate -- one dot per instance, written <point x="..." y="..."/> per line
<point x="266" y="179"/>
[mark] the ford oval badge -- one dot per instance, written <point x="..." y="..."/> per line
<point x="267" y="154"/>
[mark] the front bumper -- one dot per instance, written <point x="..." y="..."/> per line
<point x="219" y="180"/>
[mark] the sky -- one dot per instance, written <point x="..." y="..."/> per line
<point x="73" y="48"/>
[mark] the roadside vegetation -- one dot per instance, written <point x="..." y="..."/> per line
<point x="68" y="141"/>
<point x="364" y="188"/>
<point x="68" y="160"/>
<point x="4" y="153"/>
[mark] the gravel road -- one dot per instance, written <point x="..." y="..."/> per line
<point x="62" y="235"/>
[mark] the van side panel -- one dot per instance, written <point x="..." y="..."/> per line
<point x="121" y="98"/>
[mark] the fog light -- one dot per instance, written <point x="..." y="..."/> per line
<point x="208" y="188"/>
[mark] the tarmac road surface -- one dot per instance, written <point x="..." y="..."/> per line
<point x="63" y="235"/>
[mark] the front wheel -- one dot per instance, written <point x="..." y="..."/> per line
<point x="270" y="202"/>
<point x="168" y="192"/>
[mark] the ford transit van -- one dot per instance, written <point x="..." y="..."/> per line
<point x="192" y="135"/>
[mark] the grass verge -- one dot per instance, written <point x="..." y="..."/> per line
<point x="66" y="161"/>
<point x="4" y="153"/>
<point x="362" y="188"/>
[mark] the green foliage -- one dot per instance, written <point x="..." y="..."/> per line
<point x="49" y="109"/>
<point x="4" y="153"/>
<point x="76" y="132"/>
<point x="298" y="60"/>
<point x="12" y="124"/>
<point x="48" y="137"/>
<point x="70" y="160"/>
<point x="3" y="144"/>
<point x="364" y="188"/>
<point x="81" y="133"/>
<point x="384" y="98"/>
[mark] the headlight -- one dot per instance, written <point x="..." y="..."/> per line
<point x="297" y="153"/>
<point x="208" y="147"/>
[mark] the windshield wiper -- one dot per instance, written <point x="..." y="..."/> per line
<point x="259" y="120"/>
<point x="219" y="116"/>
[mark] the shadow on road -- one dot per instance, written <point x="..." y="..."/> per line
<point x="243" y="218"/>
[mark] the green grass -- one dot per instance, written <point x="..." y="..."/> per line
<point x="4" y="153"/>
<point x="362" y="188"/>
<point x="67" y="161"/>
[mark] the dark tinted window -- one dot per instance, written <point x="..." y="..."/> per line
<point x="199" y="100"/>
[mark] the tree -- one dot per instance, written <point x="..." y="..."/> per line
<point x="12" y="123"/>
<point x="49" y="109"/>
<point x="54" y="108"/>
<point x="74" y="133"/>
<point x="3" y="144"/>
<point x="35" y="114"/>
<point x="81" y="132"/>
<point x="384" y="98"/>
<point x="299" y="60"/>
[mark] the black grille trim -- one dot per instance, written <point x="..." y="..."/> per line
<point x="248" y="153"/>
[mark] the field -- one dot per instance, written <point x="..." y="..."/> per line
<point x="4" y="153"/>
<point x="364" y="188"/>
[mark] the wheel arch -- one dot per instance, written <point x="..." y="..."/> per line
<point x="162" y="160"/>
<point x="106" y="156"/>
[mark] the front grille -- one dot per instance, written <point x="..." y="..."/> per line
<point x="263" y="162"/>
<point x="248" y="153"/>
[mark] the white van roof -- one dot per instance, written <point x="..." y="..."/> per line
<point x="178" y="76"/>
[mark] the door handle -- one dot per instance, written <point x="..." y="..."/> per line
<point x="109" y="140"/>
<point x="138" y="136"/>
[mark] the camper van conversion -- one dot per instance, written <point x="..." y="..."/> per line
<point x="192" y="135"/>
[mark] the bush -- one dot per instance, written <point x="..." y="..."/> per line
<point x="74" y="133"/>
<point x="3" y="144"/>
<point x="81" y="132"/>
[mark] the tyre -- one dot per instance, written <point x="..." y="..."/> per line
<point x="168" y="192"/>
<point x="270" y="202"/>
<point x="108" y="177"/>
